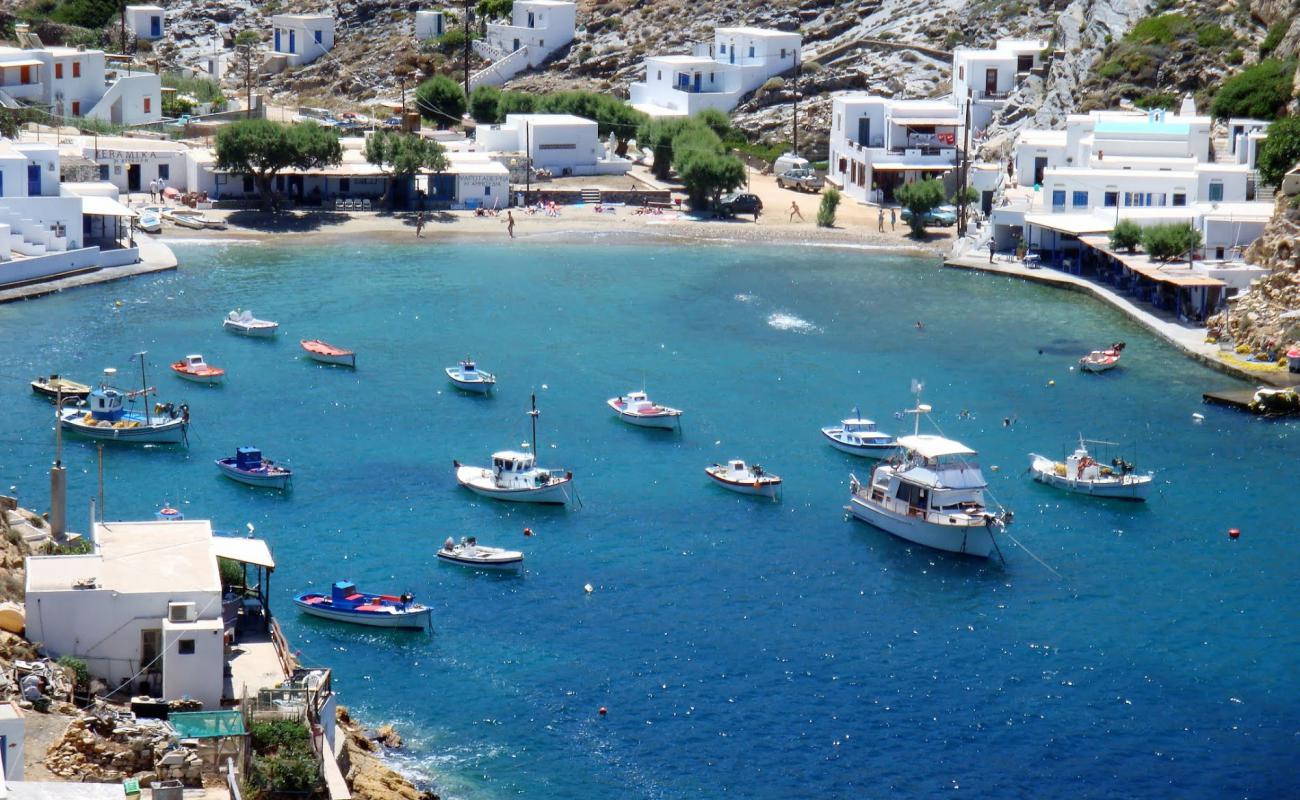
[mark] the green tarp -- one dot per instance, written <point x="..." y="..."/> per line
<point x="207" y="724"/>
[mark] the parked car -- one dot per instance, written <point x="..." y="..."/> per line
<point x="393" y="122"/>
<point x="738" y="203"/>
<point x="803" y="180"/>
<point x="941" y="216"/>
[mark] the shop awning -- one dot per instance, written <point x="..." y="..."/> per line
<point x="913" y="167"/>
<point x="26" y="62"/>
<point x="909" y="121"/>
<point x="1073" y="224"/>
<point x="105" y="207"/>
<point x="245" y="551"/>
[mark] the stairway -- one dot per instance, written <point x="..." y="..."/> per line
<point x="1222" y="150"/>
<point x="1255" y="190"/>
<point x="591" y="196"/>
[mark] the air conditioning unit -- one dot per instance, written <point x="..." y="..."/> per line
<point x="182" y="612"/>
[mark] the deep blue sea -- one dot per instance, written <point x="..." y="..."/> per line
<point x="743" y="648"/>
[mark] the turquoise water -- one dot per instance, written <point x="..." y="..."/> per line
<point x="743" y="648"/>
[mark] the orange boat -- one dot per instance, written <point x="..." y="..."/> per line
<point x="194" y="368"/>
<point x="326" y="353"/>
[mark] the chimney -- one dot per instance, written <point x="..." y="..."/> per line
<point x="1188" y="108"/>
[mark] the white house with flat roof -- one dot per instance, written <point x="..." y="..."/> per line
<point x="75" y="82"/>
<point x="13" y="735"/>
<point x="430" y="24"/>
<point x="716" y="75"/>
<point x="877" y="144"/>
<point x="540" y="26"/>
<point x="562" y="143"/>
<point x="144" y="609"/>
<point x="988" y="76"/>
<point x="145" y="21"/>
<point x="298" y="39"/>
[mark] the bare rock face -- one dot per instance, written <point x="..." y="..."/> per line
<point x="1255" y="318"/>
<point x="367" y="775"/>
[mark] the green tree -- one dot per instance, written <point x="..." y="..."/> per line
<point x="246" y="59"/>
<point x="1165" y="242"/>
<point x="261" y="149"/>
<point x="658" y="134"/>
<point x="920" y="197"/>
<point x="965" y="195"/>
<point x="516" y="103"/>
<point x="485" y="104"/>
<point x="826" y="211"/>
<point x="441" y="100"/>
<point x="85" y="13"/>
<point x="716" y="121"/>
<point x="1126" y="235"/>
<point x="402" y="155"/>
<point x="1280" y="151"/>
<point x="1261" y="91"/>
<point x="495" y="9"/>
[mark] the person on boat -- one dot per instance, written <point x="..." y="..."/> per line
<point x="449" y="545"/>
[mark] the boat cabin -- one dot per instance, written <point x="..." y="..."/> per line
<point x="511" y="462"/>
<point x="858" y="426"/>
<point x="105" y="403"/>
<point x="937" y="474"/>
<point x="344" y="593"/>
<point x="195" y="361"/>
<point x="248" y="458"/>
<point x="467" y="368"/>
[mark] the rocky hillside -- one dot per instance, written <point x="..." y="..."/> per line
<point x="1256" y="317"/>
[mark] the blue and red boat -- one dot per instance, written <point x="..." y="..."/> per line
<point x="345" y="604"/>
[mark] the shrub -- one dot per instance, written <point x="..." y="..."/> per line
<point x="232" y="573"/>
<point x="296" y="772"/>
<point x="1273" y="38"/>
<point x="1111" y="70"/>
<point x="1127" y="235"/>
<point x="716" y="121"/>
<point x="80" y="673"/>
<point x="1280" y="151"/>
<point x="1164" y="242"/>
<point x="771" y="85"/>
<point x="702" y="165"/>
<point x="1260" y="91"/>
<point x="811" y="67"/>
<point x="451" y="42"/>
<point x="1236" y="56"/>
<point x="965" y="195"/>
<point x="495" y="9"/>
<point x="485" y="104"/>
<point x="1211" y="35"/>
<point x="920" y="197"/>
<point x="75" y="547"/>
<point x="279" y="735"/>
<point x="1159" y="30"/>
<point x="826" y="211"/>
<point x="205" y="90"/>
<point x="1167" y="100"/>
<point x="440" y="100"/>
<point x="85" y="13"/>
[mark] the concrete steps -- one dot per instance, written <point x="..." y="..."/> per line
<point x="591" y="196"/>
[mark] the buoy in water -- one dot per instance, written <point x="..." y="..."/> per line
<point x="117" y="303"/>
<point x="1234" y="533"/>
<point x="528" y="531"/>
<point x="588" y="589"/>
<point x="1198" y="416"/>
<point x="603" y="711"/>
<point x="1051" y="383"/>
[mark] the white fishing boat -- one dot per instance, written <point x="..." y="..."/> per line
<point x="1082" y="474"/>
<point x="858" y="436"/>
<point x="104" y="416"/>
<point x="514" y="475"/>
<point x="1102" y="360"/>
<point x="194" y="369"/>
<point x="467" y="376"/>
<point x="149" y="221"/>
<point x="192" y="218"/>
<point x="930" y="493"/>
<point x="469" y="553"/>
<point x="636" y="408"/>
<point x="245" y="324"/>
<point x="738" y="477"/>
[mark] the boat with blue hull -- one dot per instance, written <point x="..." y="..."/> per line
<point x="345" y="604"/>
<point x="249" y="466"/>
<point x="104" y="416"/>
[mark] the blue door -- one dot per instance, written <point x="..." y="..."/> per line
<point x="33" y="180"/>
<point x="530" y="19"/>
<point x="277" y="40"/>
<point x="155" y="26"/>
<point x="731" y="52"/>
<point x="293" y="41"/>
<point x="442" y="187"/>
<point x="683" y="81"/>
<point x="864" y="131"/>
<point x="697" y="82"/>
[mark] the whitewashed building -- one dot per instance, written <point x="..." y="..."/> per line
<point x="990" y="75"/>
<point x="878" y="144"/>
<point x="13" y="735"/>
<point x="298" y="39"/>
<point x="716" y="75"/>
<point x="540" y="26"/>
<point x="430" y="24"/>
<point x="143" y="610"/>
<point x="76" y="82"/>
<point x="562" y="143"/>
<point x="145" y="21"/>
<point x="132" y="164"/>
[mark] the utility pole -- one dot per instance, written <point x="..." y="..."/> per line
<point x="58" y="475"/>
<point x="528" y="158"/>
<point x="798" y="72"/>
<point x="466" y="51"/>
<point x="122" y="24"/>
<point x="964" y="169"/>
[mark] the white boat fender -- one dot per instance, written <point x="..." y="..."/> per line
<point x="1197" y="416"/>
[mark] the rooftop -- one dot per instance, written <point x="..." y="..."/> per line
<point x="698" y="60"/>
<point x="1143" y="127"/>
<point x="548" y="119"/>
<point x="762" y="33"/>
<point x="930" y="446"/>
<point x="291" y="18"/>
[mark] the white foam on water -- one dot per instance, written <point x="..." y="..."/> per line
<point x="742" y="297"/>
<point x="789" y="322"/>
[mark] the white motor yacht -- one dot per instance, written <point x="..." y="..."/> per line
<point x="468" y="377"/>
<point x="245" y="324"/>
<point x="858" y="436"/>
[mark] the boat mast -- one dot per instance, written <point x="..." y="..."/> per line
<point x="144" y="388"/>
<point x="533" y="413"/>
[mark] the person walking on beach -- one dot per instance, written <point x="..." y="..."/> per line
<point x="419" y="225"/>
<point x="990" y="251"/>
<point x="893" y="219"/>
<point x="794" y="211"/>
<point x="880" y="222"/>
<point x="510" y="224"/>
<point x="153" y="191"/>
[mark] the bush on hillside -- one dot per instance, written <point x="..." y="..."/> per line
<point x="1259" y="92"/>
<point x="441" y="100"/>
<point x="1276" y="32"/>
<point x="1280" y="151"/>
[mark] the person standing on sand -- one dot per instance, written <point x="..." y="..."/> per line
<point x="510" y="224"/>
<point x="990" y="251"/>
<point x="153" y="191"/>
<point x="893" y="219"/>
<point x="880" y="222"/>
<point x="419" y="225"/>
<point x="794" y="211"/>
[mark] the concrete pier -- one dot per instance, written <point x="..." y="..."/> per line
<point x="154" y="257"/>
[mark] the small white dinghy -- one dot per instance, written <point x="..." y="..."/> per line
<point x="466" y="376"/>
<point x="245" y="324"/>
<point x="738" y="477"/>
<point x="149" y="221"/>
<point x="636" y="408"/>
<point x="1102" y="360"/>
<point x="469" y="553"/>
<point x="1082" y="474"/>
